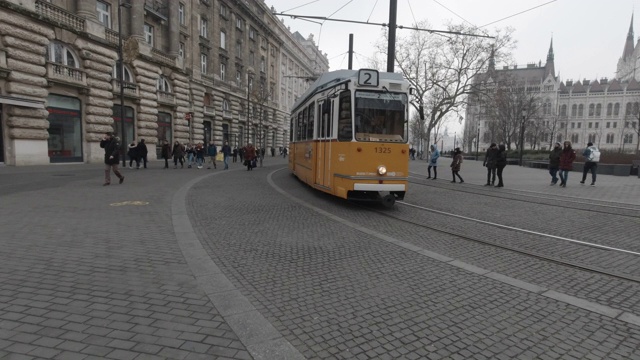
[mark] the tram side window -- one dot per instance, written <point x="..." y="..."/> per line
<point x="310" y="122"/>
<point x="320" y="134"/>
<point x="291" y="129"/>
<point x="305" y="119"/>
<point x="299" y="127"/>
<point x="344" y="117"/>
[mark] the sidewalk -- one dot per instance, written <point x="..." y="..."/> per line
<point x="619" y="189"/>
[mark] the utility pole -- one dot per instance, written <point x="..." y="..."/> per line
<point x="391" y="50"/>
<point x="350" y="52"/>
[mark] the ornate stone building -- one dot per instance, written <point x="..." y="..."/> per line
<point x="605" y="112"/>
<point x="194" y="70"/>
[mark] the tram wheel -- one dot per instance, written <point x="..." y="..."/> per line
<point x="388" y="201"/>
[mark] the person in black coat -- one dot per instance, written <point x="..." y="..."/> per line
<point x="501" y="163"/>
<point x="111" y="146"/>
<point x="166" y="153"/>
<point x="490" y="159"/>
<point x="141" y="151"/>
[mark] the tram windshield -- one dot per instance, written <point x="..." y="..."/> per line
<point x="380" y="116"/>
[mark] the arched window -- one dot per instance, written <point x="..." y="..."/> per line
<point x="558" y="138"/>
<point x="609" y="109"/>
<point x="616" y="109"/>
<point x="592" y="138"/>
<point x="610" y="138"/>
<point x="163" y="84"/>
<point x="60" y="54"/>
<point x="574" y="110"/>
<point x="580" y="110"/>
<point x="575" y="138"/>
<point x="225" y="105"/>
<point x="592" y="109"/>
<point x="627" y="110"/>
<point x="563" y="110"/>
<point x="635" y="108"/>
<point x="126" y="76"/>
<point x="598" y="109"/>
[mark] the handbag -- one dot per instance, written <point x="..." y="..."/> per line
<point x="220" y="157"/>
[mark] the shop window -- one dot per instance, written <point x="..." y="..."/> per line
<point x="129" y="124"/>
<point x="65" y="129"/>
<point x="163" y="132"/>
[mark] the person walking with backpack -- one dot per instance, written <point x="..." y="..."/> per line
<point x="592" y="156"/>
<point x="567" y="156"/>
<point x="133" y="155"/>
<point x="554" y="163"/>
<point x="456" y="164"/>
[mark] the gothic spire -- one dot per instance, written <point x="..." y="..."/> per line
<point x="628" y="45"/>
<point x="492" y="60"/>
<point x="550" y="53"/>
<point x="549" y="67"/>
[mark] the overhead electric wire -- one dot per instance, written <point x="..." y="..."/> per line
<point x="341" y="7"/>
<point x="297" y="7"/>
<point x="454" y="13"/>
<point x="412" y="14"/>
<point x="374" y="7"/>
<point x="521" y="12"/>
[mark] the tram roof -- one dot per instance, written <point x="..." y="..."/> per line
<point x="336" y="77"/>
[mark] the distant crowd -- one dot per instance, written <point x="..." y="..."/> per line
<point x="561" y="159"/>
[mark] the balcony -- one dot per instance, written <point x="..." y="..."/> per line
<point x="166" y="98"/>
<point x="59" y="15"/>
<point x="162" y="57"/>
<point x="130" y="89"/>
<point x="66" y="74"/>
<point x="112" y="36"/>
<point x="209" y="110"/>
<point x="226" y="114"/>
<point x="157" y="8"/>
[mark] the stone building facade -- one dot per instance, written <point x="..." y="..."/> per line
<point x="605" y="112"/>
<point x="194" y="71"/>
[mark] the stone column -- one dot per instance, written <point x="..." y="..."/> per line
<point x="174" y="28"/>
<point x="87" y="9"/>
<point x="137" y="20"/>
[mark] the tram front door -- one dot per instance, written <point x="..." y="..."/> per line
<point x="323" y="145"/>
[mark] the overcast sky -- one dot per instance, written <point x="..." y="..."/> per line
<point x="588" y="35"/>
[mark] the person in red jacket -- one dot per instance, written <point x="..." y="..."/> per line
<point x="567" y="156"/>
<point x="249" y="156"/>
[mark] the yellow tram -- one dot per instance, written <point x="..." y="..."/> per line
<point x="348" y="135"/>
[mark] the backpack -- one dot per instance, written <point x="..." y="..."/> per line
<point x="594" y="155"/>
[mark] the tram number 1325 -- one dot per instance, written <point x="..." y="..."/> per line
<point x="383" y="150"/>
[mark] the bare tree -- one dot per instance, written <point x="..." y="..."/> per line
<point x="259" y="99"/>
<point x="442" y="68"/>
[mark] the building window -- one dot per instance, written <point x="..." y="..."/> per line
<point x="580" y="110"/>
<point x="239" y="49"/>
<point x="628" y="109"/>
<point x="163" y="85"/>
<point x="579" y="125"/>
<point x="592" y="109"/>
<point x="203" y="27"/>
<point x="610" y="138"/>
<point x="163" y="132"/>
<point x="224" y="11"/>
<point x="223" y="40"/>
<point x="251" y="58"/>
<point x="126" y="75"/>
<point x="597" y="125"/>
<point x="148" y="34"/>
<point x="615" y="124"/>
<point x="628" y="138"/>
<point x="262" y="64"/>
<point x="250" y="86"/>
<point x="609" y="109"/>
<point x="575" y="138"/>
<point x="598" y="109"/>
<point x="60" y="54"/>
<point x="203" y="63"/>
<point x="252" y="33"/>
<point x="616" y="109"/>
<point x="590" y="125"/>
<point x="104" y="13"/>
<point x="608" y="124"/>
<point x="65" y="129"/>
<point x="238" y="78"/>
<point x="223" y="69"/>
<point x="563" y="110"/>
<point x="592" y="138"/>
<point x="181" y="14"/>
<point x="181" y="50"/>
<point x="239" y="24"/>
<point x="574" y="110"/>
<point x="573" y="125"/>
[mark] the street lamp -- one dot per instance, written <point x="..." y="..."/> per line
<point x="120" y="70"/>
<point x="477" y="142"/>
<point x="454" y="139"/>
<point x="524" y="118"/>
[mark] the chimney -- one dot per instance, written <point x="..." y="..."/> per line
<point x="586" y="82"/>
<point x="569" y="82"/>
<point x="604" y="81"/>
<point x="529" y="66"/>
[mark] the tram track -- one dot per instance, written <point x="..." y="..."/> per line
<point x="596" y="206"/>
<point x="513" y="248"/>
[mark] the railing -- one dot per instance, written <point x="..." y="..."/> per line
<point x="66" y="73"/>
<point x="162" y="57"/>
<point x="112" y="36"/>
<point x="130" y="88"/>
<point x="209" y="110"/>
<point x="158" y="8"/>
<point x="166" y="97"/>
<point x="59" y="15"/>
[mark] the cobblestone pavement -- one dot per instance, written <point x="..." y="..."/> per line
<point x="186" y="264"/>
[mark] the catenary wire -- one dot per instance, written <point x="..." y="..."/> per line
<point x="521" y="12"/>
<point x="299" y="6"/>
<point x="374" y="7"/>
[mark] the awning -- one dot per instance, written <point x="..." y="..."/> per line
<point x="10" y="100"/>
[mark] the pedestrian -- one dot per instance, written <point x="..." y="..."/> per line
<point x="567" y="156"/>
<point x="241" y="154"/>
<point x="199" y="153"/>
<point x="226" y="152"/>
<point x="249" y="156"/>
<point x="554" y="162"/>
<point x="133" y="155"/>
<point x="141" y="150"/>
<point x="456" y="165"/>
<point x="191" y="154"/>
<point x="501" y="163"/>
<point x="591" y="156"/>
<point x="433" y="162"/>
<point x="284" y="152"/>
<point x="490" y="161"/>
<point x="166" y="153"/>
<point x="212" y="151"/>
<point x="178" y="155"/>
<point x="235" y="154"/>
<point x="111" y="146"/>
<point x="273" y="151"/>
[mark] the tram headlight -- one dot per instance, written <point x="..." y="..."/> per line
<point x="382" y="169"/>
